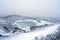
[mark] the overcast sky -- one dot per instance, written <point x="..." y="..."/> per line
<point x="48" y="8"/>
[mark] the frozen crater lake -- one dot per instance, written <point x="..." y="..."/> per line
<point x="33" y="30"/>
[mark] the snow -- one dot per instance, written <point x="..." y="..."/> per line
<point x="44" y="22"/>
<point x="32" y="35"/>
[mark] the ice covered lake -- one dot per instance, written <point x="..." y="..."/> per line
<point x="26" y="24"/>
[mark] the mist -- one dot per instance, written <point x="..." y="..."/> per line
<point x="44" y="8"/>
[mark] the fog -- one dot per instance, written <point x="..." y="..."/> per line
<point x="44" y="8"/>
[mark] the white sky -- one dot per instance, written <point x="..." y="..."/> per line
<point x="48" y="8"/>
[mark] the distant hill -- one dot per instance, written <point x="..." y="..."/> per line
<point x="13" y="18"/>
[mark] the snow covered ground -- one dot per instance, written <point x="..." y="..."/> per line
<point x="39" y="32"/>
<point x="31" y="35"/>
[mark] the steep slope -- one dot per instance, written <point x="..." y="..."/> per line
<point x="39" y="34"/>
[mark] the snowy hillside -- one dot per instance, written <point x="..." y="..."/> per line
<point x="44" y="30"/>
<point x="37" y="35"/>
